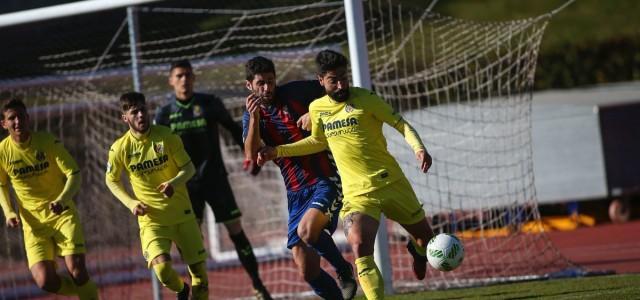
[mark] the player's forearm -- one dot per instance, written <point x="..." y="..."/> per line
<point x="252" y="141"/>
<point x="71" y="188"/>
<point x="5" y="203"/>
<point x="184" y="174"/>
<point x="306" y="146"/>
<point x="118" y="190"/>
<point x="410" y="135"/>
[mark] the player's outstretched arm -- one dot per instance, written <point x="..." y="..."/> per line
<point x="413" y="139"/>
<point x="184" y="174"/>
<point x="10" y="215"/>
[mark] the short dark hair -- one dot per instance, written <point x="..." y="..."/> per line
<point x="183" y="63"/>
<point x="131" y="99"/>
<point x="13" y="103"/>
<point x="329" y="60"/>
<point x="259" y="65"/>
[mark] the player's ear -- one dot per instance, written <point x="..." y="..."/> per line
<point x="248" y="85"/>
<point x="320" y="79"/>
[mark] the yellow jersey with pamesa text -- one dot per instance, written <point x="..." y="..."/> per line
<point x="38" y="170"/>
<point x="353" y="132"/>
<point x="148" y="162"/>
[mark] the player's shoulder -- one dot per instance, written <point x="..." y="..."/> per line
<point x="118" y="144"/>
<point x="5" y="143"/>
<point x="43" y="137"/>
<point x="320" y="102"/>
<point x="161" y="130"/>
<point x="205" y="98"/>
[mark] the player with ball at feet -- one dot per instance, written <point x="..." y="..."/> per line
<point x="348" y="120"/>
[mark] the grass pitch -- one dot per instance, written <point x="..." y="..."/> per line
<point x="599" y="287"/>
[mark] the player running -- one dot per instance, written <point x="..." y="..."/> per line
<point x="349" y="121"/>
<point x="278" y="116"/>
<point x="195" y="118"/>
<point x="45" y="178"/>
<point x="158" y="168"/>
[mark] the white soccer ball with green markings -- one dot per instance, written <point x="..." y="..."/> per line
<point x="445" y="252"/>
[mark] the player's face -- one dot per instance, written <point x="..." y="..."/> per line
<point x="137" y="118"/>
<point x="263" y="86"/>
<point x="16" y="121"/>
<point x="181" y="79"/>
<point x="336" y="84"/>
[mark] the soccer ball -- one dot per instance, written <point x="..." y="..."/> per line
<point x="445" y="252"/>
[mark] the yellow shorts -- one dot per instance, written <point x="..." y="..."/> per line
<point x="397" y="201"/>
<point x="59" y="236"/>
<point x="157" y="239"/>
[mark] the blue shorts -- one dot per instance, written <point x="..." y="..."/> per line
<point x="324" y="195"/>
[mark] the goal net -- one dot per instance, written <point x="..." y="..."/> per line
<point x="465" y="86"/>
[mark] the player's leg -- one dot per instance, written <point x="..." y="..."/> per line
<point x="70" y="241"/>
<point x="226" y="211"/>
<point x="156" y="247"/>
<point x="401" y="205"/>
<point x="316" y="226"/>
<point x="40" y="251"/>
<point x="189" y="241"/>
<point x="87" y="289"/>
<point x="308" y="263"/>
<point x="360" y="216"/>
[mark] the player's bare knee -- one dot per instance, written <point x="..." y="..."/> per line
<point x="47" y="281"/>
<point x="307" y="235"/>
<point x="79" y="275"/>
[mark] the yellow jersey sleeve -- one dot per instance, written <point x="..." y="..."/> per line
<point x="385" y="113"/>
<point x="176" y="147"/>
<point x="314" y="143"/>
<point x="65" y="162"/>
<point x="5" y="201"/>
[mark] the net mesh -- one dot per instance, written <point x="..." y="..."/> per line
<point x="465" y="86"/>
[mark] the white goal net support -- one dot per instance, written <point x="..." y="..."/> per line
<point x="465" y="86"/>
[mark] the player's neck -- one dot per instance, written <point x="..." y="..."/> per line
<point x="140" y="134"/>
<point x="184" y="97"/>
<point x="22" y="139"/>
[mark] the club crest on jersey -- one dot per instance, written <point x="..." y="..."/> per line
<point x="40" y="155"/>
<point x="349" y="108"/>
<point x="197" y="111"/>
<point x="158" y="148"/>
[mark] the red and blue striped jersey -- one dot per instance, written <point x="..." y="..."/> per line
<point x="278" y="127"/>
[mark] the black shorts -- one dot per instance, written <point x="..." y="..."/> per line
<point x="217" y="192"/>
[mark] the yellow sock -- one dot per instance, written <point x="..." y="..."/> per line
<point x="168" y="276"/>
<point x="67" y="287"/>
<point x="88" y="291"/>
<point x="370" y="278"/>
<point x="199" y="281"/>
<point x="420" y="250"/>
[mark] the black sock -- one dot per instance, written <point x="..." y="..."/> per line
<point x="247" y="258"/>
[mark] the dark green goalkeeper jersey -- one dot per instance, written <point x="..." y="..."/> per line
<point x="196" y="122"/>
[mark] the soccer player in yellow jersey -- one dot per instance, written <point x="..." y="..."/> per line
<point x="45" y="178"/>
<point x="158" y="167"/>
<point x="349" y="121"/>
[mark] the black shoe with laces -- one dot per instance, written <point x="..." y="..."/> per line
<point x="348" y="285"/>
<point x="184" y="294"/>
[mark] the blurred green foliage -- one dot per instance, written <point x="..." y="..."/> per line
<point x="588" y="42"/>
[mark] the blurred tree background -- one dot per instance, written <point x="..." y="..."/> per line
<point x="589" y="42"/>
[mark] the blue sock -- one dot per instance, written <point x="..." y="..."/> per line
<point x="325" y="287"/>
<point x="326" y="247"/>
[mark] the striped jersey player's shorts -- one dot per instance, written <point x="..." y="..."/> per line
<point x="59" y="236"/>
<point x="324" y="195"/>
<point x="396" y="200"/>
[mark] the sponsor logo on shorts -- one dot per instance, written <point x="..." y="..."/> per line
<point x="146" y="255"/>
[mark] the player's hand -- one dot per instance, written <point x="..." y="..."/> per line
<point x="140" y="209"/>
<point x="57" y="208"/>
<point x="424" y="159"/>
<point x="266" y="154"/>
<point x="304" y="122"/>
<point x="250" y="166"/>
<point x="253" y="105"/>
<point x="13" y="222"/>
<point x="166" y="188"/>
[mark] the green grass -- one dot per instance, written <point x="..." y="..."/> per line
<point x="599" y="287"/>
